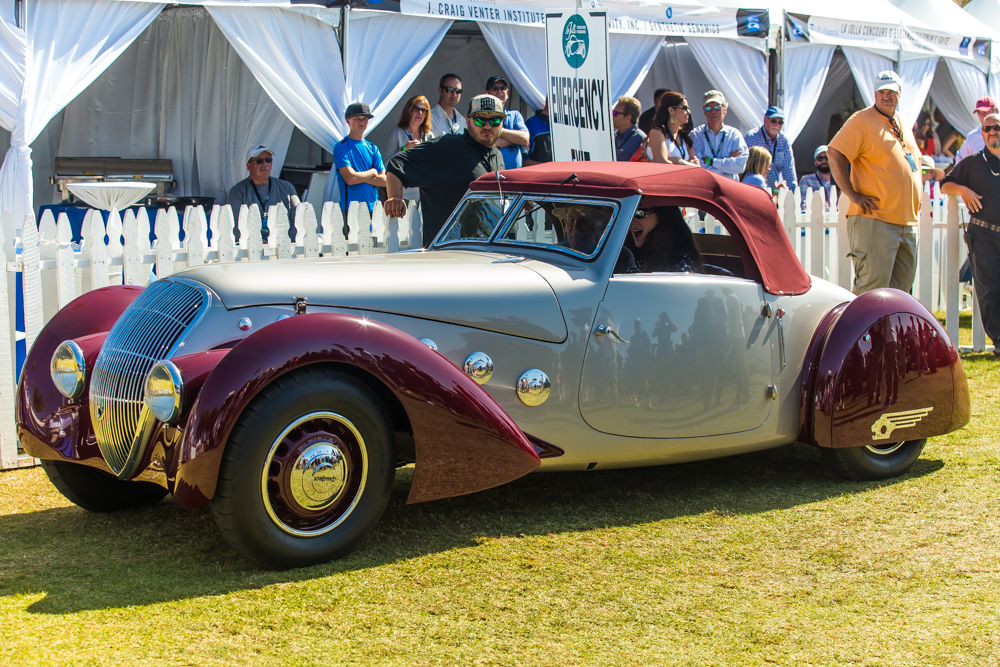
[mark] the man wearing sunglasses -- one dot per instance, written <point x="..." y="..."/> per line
<point x="516" y="137"/>
<point x="770" y="137"/>
<point x="821" y="179"/>
<point x="976" y="180"/>
<point x="720" y="148"/>
<point x="444" y="166"/>
<point x="261" y="189"/>
<point x="875" y="160"/>
<point x="445" y="118"/>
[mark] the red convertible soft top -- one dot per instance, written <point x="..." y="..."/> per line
<point x="746" y="211"/>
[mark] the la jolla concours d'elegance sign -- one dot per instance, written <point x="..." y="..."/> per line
<point x="576" y="48"/>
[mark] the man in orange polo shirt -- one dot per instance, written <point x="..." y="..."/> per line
<point x="876" y="160"/>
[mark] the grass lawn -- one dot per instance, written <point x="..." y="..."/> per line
<point x="754" y="560"/>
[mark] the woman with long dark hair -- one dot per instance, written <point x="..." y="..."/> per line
<point x="668" y="141"/>
<point x="662" y="242"/>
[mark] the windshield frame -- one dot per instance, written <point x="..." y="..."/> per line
<point x="497" y="239"/>
<point x="515" y="199"/>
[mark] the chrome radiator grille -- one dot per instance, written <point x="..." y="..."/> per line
<point x="149" y="330"/>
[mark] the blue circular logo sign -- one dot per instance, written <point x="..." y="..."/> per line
<point x="576" y="41"/>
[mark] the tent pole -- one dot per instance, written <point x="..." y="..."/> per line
<point x="344" y="22"/>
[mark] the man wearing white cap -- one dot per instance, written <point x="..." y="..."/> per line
<point x="875" y="160"/>
<point x="260" y="188"/>
<point x="821" y="179"/>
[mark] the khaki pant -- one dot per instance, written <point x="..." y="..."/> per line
<point x="884" y="254"/>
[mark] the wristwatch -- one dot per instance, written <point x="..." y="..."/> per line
<point x="707" y="161"/>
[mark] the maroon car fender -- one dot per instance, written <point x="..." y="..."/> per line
<point x="464" y="440"/>
<point x="882" y="370"/>
<point x="49" y="425"/>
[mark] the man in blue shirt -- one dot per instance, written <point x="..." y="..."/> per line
<point x="628" y="136"/>
<point x="770" y="137"/>
<point x="823" y="178"/>
<point x="540" y="136"/>
<point x="720" y="148"/>
<point x="357" y="164"/>
<point x="515" y="136"/>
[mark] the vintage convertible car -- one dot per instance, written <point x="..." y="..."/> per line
<point x="287" y="393"/>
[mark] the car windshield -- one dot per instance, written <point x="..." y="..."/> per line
<point x="476" y="220"/>
<point x="576" y="227"/>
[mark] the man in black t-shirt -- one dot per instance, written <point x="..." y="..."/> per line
<point x="443" y="167"/>
<point x="977" y="181"/>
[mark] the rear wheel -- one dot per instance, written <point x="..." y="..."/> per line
<point x="874" y="462"/>
<point x="96" y="490"/>
<point x="307" y="470"/>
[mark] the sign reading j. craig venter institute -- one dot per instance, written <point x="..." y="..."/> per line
<point x="576" y="47"/>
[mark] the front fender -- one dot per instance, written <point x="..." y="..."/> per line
<point x="883" y="370"/>
<point x="464" y="440"/>
<point x="49" y="425"/>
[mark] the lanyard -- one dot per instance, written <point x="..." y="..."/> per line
<point x="682" y="147"/>
<point x="263" y="202"/>
<point x="896" y="132"/>
<point x="722" y="140"/>
<point x="770" y="150"/>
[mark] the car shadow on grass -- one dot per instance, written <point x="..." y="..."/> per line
<point x="165" y="552"/>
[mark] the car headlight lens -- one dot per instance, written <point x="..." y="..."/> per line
<point x="68" y="369"/>
<point x="164" y="392"/>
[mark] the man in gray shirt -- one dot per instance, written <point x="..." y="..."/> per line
<point x="261" y="189"/>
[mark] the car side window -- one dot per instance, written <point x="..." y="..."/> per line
<point x="574" y="226"/>
<point x="476" y="220"/>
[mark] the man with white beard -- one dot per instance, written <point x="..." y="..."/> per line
<point x="977" y="181"/>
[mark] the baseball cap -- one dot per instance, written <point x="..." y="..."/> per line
<point x="774" y="112"/>
<point x="888" y="80"/>
<point x="485" y="106"/>
<point x="494" y="79"/>
<point x="358" y="109"/>
<point x="819" y="149"/>
<point x="714" y="96"/>
<point x="985" y="103"/>
<point x="257" y="150"/>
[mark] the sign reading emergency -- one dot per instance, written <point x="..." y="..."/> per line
<point x="576" y="47"/>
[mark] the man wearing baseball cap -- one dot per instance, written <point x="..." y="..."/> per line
<point x="875" y="160"/>
<point x="720" y="148"/>
<point x="974" y="142"/>
<point x="358" y="170"/>
<point x="261" y="189"/>
<point x="821" y="179"/>
<point x="514" y="142"/>
<point x="444" y="166"/>
<point x="770" y="137"/>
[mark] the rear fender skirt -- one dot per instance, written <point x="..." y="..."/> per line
<point x="49" y="425"/>
<point x="885" y="370"/>
<point x="464" y="440"/>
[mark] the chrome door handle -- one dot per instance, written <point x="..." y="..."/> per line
<point x="781" y="337"/>
<point x="602" y="330"/>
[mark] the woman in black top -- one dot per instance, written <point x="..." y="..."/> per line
<point x="662" y="242"/>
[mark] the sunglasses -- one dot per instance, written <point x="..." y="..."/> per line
<point x="481" y="122"/>
<point x="498" y="89"/>
<point x="713" y="107"/>
<point x="775" y="121"/>
<point x="822" y="158"/>
<point x="262" y="160"/>
<point x="449" y="89"/>
<point x="991" y="128"/>
<point x="683" y="108"/>
<point x="641" y="214"/>
<point x="420" y="109"/>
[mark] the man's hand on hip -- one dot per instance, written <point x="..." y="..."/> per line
<point x="868" y="205"/>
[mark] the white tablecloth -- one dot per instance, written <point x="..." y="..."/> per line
<point x="108" y="196"/>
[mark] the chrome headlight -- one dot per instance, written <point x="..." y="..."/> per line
<point x="163" y="393"/>
<point x="68" y="369"/>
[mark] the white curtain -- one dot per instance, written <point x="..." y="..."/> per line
<point x="805" y="69"/>
<point x="970" y="84"/>
<point x="739" y="71"/>
<point x="520" y="50"/>
<point x="864" y="66"/>
<point x="296" y="58"/>
<point x="385" y="53"/>
<point x="68" y="46"/>
<point x="917" y="76"/>
<point x="956" y="105"/>
<point x="13" y="46"/>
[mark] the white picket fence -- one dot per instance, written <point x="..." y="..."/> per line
<point x="55" y="270"/>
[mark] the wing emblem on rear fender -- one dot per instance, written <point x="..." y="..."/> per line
<point x="890" y="421"/>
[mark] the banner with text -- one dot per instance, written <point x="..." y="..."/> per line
<point x="576" y="51"/>
<point x="652" y="19"/>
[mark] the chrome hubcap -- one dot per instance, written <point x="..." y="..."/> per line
<point x="884" y="450"/>
<point x="314" y="474"/>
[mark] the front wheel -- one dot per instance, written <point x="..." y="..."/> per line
<point x="307" y="470"/>
<point x="874" y="462"/>
<point x="96" y="491"/>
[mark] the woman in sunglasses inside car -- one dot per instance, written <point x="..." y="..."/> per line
<point x="662" y="242"/>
